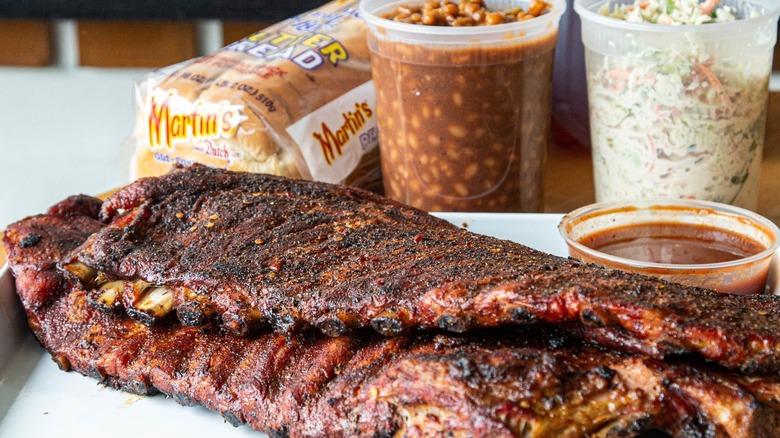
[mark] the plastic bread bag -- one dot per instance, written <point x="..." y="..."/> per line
<point x="294" y="99"/>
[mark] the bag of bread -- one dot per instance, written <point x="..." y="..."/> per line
<point x="294" y="99"/>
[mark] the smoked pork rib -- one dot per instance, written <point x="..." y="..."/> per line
<point x="535" y="383"/>
<point x="250" y="249"/>
<point x="65" y="226"/>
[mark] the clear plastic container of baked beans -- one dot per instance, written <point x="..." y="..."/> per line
<point x="463" y="111"/>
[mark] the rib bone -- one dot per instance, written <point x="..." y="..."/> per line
<point x="108" y="295"/>
<point x="81" y="271"/>
<point x="154" y="303"/>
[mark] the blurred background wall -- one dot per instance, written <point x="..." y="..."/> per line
<point x="66" y="82"/>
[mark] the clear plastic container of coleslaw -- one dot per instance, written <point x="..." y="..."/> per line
<point x="678" y="110"/>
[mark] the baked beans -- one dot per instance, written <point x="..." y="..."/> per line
<point x="463" y="126"/>
<point x="464" y="13"/>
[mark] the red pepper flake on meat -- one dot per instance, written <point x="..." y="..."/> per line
<point x="276" y="265"/>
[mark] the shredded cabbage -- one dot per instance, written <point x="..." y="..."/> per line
<point x="671" y="12"/>
<point x="674" y="121"/>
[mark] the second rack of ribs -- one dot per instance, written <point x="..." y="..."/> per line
<point x="532" y="383"/>
<point x="251" y="250"/>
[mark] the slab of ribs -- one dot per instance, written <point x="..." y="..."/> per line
<point x="305" y="309"/>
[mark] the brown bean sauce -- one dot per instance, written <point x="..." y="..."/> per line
<point x="673" y="244"/>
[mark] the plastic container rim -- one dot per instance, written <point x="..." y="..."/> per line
<point x="371" y="17"/>
<point x="718" y="208"/>
<point x="587" y="13"/>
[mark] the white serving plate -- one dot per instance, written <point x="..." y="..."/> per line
<point x="37" y="399"/>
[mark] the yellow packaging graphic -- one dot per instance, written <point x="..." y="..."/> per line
<point x="334" y="138"/>
<point x="173" y="119"/>
<point x="295" y="99"/>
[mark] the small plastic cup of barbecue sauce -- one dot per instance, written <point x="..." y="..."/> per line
<point x="696" y="243"/>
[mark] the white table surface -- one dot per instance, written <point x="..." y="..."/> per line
<point x="61" y="130"/>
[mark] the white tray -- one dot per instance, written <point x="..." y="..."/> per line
<point x="37" y="399"/>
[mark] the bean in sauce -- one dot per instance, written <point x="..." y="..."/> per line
<point x="463" y="127"/>
<point x="465" y="13"/>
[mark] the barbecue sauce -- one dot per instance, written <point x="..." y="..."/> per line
<point x="675" y="244"/>
<point x="678" y="244"/>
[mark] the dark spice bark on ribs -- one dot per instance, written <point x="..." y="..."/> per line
<point x="535" y="383"/>
<point x="251" y="249"/>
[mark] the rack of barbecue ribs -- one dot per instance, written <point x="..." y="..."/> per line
<point x="306" y="309"/>
<point x="253" y="250"/>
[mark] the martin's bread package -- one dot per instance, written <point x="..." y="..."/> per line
<point x="294" y="99"/>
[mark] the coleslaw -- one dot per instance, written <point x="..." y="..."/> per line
<point x="678" y="119"/>
<point x="671" y="12"/>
